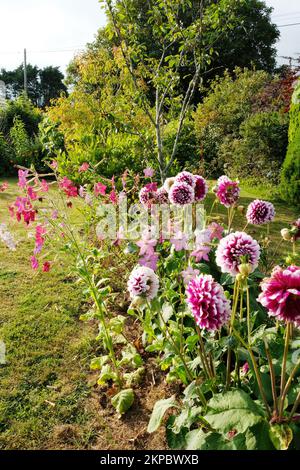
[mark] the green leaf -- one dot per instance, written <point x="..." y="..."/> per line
<point x="135" y="377"/>
<point x="199" y="440"/>
<point x="106" y="374"/>
<point x="234" y="410"/>
<point x="123" y="401"/>
<point x="98" y="362"/>
<point x="158" y="412"/>
<point x="175" y="441"/>
<point x="281" y="435"/>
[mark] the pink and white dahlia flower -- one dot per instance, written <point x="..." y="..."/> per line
<point x="186" y="177"/>
<point x="207" y="301"/>
<point x="227" y="191"/>
<point x="281" y="294"/>
<point x="162" y="196"/>
<point x="260" y="212"/>
<point x="236" y="248"/>
<point x="147" y="195"/>
<point x="143" y="282"/>
<point x="181" y="194"/>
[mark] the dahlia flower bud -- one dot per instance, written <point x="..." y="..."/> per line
<point x="241" y="209"/>
<point x="286" y="234"/>
<point x="245" y="269"/>
<point x="169" y="183"/>
<point x="201" y="188"/>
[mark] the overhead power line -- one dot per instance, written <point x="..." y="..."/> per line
<point x="289" y="24"/>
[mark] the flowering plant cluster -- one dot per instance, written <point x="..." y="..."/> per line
<point x="220" y="315"/>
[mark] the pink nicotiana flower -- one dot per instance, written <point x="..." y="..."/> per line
<point x="143" y="282"/>
<point x="100" y="189"/>
<point x="147" y="244"/>
<point x="84" y="167"/>
<point x="22" y="175"/>
<point x="228" y="191"/>
<point x="216" y="230"/>
<point x="113" y="197"/>
<point x="201" y="188"/>
<point x="32" y="194"/>
<point x="54" y="164"/>
<point x="189" y="273"/>
<point x="54" y="214"/>
<point x="44" y="186"/>
<point x="82" y="191"/>
<point x="234" y="249"/>
<point x="208" y="303"/>
<point x="68" y="187"/>
<point x="3" y="187"/>
<point x="22" y="207"/>
<point x="186" y="177"/>
<point x="201" y="253"/>
<point x="181" y="194"/>
<point x="34" y="262"/>
<point x="46" y="266"/>
<point x="149" y="261"/>
<point x="180" y="241"/>
<point x="203" y="247"/>
<point x="148" y="172"/>
<point x="281" y="294"/>
<point x="40" y="231"/>
<point x="260" y="212"/>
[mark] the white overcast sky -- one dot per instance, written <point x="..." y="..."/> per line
<point x="53" y="30"/>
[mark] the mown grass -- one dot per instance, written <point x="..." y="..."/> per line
<point x="43" y="386"/>
<point x="44" y="391"/>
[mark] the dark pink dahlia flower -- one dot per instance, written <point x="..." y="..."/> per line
<point x="181" y="194"/>
<point x="207" y="301"/>
<point x="260" y="212"/>
<point x="281" y="294"/>
<point x="227" y="191"/>
<point x="201" y="188"/>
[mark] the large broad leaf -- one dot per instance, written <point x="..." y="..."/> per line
<point x="233" y="410"/>
<point x="123" y="401"/>
<point x="158" y="412"/>
<point x="281" y="435"/>
<point x="199" y="440"/>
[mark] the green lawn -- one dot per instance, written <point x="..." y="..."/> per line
<point x="45" y="396"/>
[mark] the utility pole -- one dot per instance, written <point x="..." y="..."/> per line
<point x="25" y="74"/>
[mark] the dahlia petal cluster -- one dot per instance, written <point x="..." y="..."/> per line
<point x="181" y="194"/>
<point x="201" y="188"/>
<point x="186" y="177"/>
<point x="147" y="195"/>
<point x="296" y="229"/>
<point x="227" y="191"/>
<point x="281" y="294"/>
<point x="233" y="248"/>
<point x="260" y="212"/>
<point x="143" y="282"/>
<point x="207" y="301"/>
<point x="162" y="196"/>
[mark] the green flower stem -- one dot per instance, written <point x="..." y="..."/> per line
<point x="294" y="409"/>
<point x="233" y="313"/>
<point x="273" y="377"/>
<point x="256" y="371"/>
<point x="283" y="368"/>
<point x="287" y="387"/>
<point x="248" y="313"/>
<point x="202" y="354"/>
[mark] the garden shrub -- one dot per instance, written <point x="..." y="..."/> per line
<point x="241" y="126"/>
<point x="290" y="175"/>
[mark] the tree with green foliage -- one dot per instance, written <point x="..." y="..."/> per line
<point x="177" y="46"/>
<point x="290" y="175"/>
<point x="43" y="84"/>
